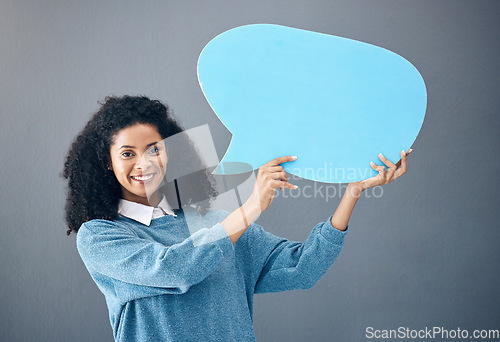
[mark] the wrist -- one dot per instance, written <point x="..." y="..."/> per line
<point x="355" y="189"/>
<point x="252" y="209"/>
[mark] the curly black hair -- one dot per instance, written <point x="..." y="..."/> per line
<point x="93" y="191"/>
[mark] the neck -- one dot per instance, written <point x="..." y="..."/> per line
<point x="151" y="201"/>
<point x="155" y="199"/>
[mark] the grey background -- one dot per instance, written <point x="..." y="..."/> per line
<point x="423" y="254"/>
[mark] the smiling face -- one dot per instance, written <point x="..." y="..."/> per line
<point x="139" y="160"/>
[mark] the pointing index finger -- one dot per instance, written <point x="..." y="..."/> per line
<point x="280" y="160"/>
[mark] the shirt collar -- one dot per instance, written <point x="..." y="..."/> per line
<point x="144" y="213"/>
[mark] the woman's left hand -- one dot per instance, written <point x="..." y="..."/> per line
<point x="340" y="218"/>
<point x="385" y="176"/>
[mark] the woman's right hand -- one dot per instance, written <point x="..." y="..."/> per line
<point x="269" y="177"/>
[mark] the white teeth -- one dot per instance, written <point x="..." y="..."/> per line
<point x="142" y="178"/>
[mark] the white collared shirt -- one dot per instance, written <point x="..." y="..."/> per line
<point x="144" y="213"/>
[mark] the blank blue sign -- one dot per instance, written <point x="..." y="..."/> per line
<point x="334" y="102"/>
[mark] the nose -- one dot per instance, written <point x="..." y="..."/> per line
<point x="144" y="162"/>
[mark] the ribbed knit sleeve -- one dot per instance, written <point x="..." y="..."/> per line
<point x="118" y="252"/>
<point x="282" y="265"/>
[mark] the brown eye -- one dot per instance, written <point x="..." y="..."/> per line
<point x="127" y="154"/>
<point x="154" y="150"/>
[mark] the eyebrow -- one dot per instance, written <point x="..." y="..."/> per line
<point x="128" y="146"/>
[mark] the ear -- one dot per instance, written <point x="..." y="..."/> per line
<point x="110" y="167"/>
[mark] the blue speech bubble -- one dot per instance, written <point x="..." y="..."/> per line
<point x="334" y="102"/>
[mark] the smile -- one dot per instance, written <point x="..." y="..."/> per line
<point x="143" y="178"/>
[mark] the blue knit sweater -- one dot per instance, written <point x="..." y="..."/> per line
<point x="182" y="279"/>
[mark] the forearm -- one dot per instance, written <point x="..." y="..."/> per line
<point x="239" y="220"/>
<point x="341" y="217"/>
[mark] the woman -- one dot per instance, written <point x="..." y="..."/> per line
<point x="165" y="279"/>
